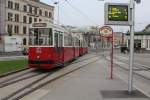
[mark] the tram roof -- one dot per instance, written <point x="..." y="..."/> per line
<point x="48" y="25"/>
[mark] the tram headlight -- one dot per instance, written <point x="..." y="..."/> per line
<point x="38" y="57"/>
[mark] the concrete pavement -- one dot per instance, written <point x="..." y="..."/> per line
<point x="89" y="83"/>
<point x="9" y="58"/>
<point x="141" y="79"/>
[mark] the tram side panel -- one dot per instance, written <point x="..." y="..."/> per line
<point x="76" y="52"/>
<point x="68" y="47"/>
<point x="76" y="47"/>
<point x="80" y="48"/>
<point x="68" y="54"/>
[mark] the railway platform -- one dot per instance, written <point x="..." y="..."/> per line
<point x="89" y="83"/>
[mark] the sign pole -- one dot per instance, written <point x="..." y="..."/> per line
<point x="112" y="55"/>
<point x="108" y="31"/>
<point x="132" y="7"/>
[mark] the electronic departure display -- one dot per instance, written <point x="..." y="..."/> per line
<point x="118" y="13"/>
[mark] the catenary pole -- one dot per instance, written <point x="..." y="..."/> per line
<point x="132" y="8"/>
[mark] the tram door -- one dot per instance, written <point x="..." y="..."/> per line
<point x="58" y="46"/>
<point x="61" y="47"/>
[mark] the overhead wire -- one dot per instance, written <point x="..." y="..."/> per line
<point x="81" y="13"/>
<point x="76" y="9"/>
<point x="56" y="2"/>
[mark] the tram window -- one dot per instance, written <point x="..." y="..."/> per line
<point x="41" y="36"/>
<point x="33" y="36"/>
<point x="50" y="37"/>
<point x="66" y="40"/>
<point x="56" y="39"/>
<point x="41" y="42"/>
<point x="77" y="42"/>
<point x="70" y="40"/>
<point x="61" y="40"/>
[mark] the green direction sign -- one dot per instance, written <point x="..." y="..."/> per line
<point x="118" y="13"/>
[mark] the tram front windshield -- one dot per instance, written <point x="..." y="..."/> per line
<point x="41" y="36"/>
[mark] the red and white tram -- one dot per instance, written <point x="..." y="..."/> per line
<point x="51" y="45"/>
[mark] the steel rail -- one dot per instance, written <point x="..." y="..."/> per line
<point x="32" y="86"/>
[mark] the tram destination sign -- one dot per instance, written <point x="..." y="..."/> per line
<point x="39" y="25"/>
<point x="117" y="14"/>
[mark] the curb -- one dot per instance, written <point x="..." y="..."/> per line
<point x="12" y="72"/>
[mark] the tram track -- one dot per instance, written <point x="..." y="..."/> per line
<point x="138" y="67"/>
<point x="16" y="77"/>
<point x="141" y="78"/>
<point x="26" y="75"/>
<point x="135" y="71"/>
<point x="48" y="78"/>
<point x="6" y="83"/>
<point x="13" y="72"/>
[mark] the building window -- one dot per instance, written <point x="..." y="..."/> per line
<point x="30" y="20"/>
<point x="25" y="19"/>
<point x="35" y="19"/>
<point x="40" y="12"/>
<point x="9" y="29"/>
<point x="50" y="14"/>
<point x="16" y="29"/>
<point x="46" y="13"/>
<point x="24" y="30"/>
<point x="148" y="43"/>
<point x="25" y="8"/>
<point x="40" y="20"/>
<point x="16" y="6"/>
<point x="30" y="9"/>
<point x="24" y="41"/>
<point x="35" y="10"/>
<point x="10" y="4"/>
<point x="10" y="17"/>
<point x="16" y="17"/>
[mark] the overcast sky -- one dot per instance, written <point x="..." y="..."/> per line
<point x="91" y="12"/>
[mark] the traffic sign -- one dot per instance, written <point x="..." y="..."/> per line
<point x="117" y="14"/>
<point x="106" y="31"/>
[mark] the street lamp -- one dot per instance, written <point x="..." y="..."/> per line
<point x="57" y="3"/>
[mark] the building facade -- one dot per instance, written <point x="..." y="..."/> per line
<point x="147" y="28"/>
<point x="119" y="38"/>
<point x="141" y="40"/>
<point x="16" y="17"/>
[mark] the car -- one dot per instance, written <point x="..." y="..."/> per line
<point x="25" y="51"/>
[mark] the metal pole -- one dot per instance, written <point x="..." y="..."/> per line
<point x="58" y="13"/>
<point x="112" y="56"/>
<point x="132" y="7"/>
